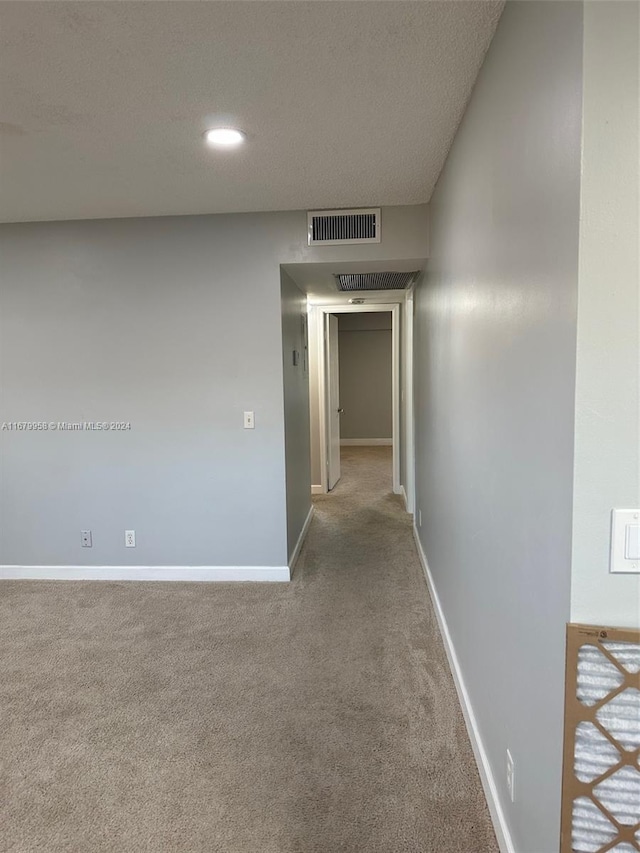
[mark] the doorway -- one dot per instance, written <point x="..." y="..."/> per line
<point x="331" y="408"/>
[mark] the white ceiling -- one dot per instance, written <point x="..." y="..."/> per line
<point x="103" y="104"/>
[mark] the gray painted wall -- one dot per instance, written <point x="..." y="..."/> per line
<point x="168" y="324"/>
<point x="495" y="373"/>
<point x="173" y="324"/>
<point x="607" y="462"/>
<point x="296" y="409"/>
<point x="365" y="375"/>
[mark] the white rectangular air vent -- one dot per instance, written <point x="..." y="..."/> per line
<point x="340" y="227"/>
<point x="375" y="280"/>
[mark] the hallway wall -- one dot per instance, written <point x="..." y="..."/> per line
<point x="174" y="325"/>
<point x="364" y="342"/>
<point x="495" y="370"/>
<point x="296" y="409"/>
<point x="607" y="464"/>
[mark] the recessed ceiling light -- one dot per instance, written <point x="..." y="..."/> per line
<point x="224" y="137"/>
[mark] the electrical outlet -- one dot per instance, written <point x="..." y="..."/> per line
<point x="130" y="538"/>
<point x="511" y="777"/>
<point x="85" y="539"/>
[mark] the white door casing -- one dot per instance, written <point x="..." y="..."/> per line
<point x="333" y="401"/>
<point x="324" y="311"/>
<point x="409" y="437"/>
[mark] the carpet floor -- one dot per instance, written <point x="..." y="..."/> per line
<point x="312" y="717"/>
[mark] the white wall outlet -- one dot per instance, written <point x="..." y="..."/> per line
<point x="130" y="538"/>
<point x="511" y="777"/>
<point x="249" y="420"/>
<point x="85" y="539"/>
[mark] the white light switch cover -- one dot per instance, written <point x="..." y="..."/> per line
<point x="632" y="544"/>
<point x="625" y="524"/>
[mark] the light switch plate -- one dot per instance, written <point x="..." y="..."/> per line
<point x="624" y="541"/>
<point x="632" y="543"/>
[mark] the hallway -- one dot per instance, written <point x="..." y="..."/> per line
<point x="386" y="671"/>
<point x="313" y="717"/>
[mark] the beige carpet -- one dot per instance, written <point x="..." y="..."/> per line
<point x="313" y="717"/>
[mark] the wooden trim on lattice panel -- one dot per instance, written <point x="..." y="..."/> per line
<point x="577" y="712"/>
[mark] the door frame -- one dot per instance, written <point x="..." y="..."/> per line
<point x="333" y="410"/>
<point x="387" y="307"/>
<point x="409" y="426"/>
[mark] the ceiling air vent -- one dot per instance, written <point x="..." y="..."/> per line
<point x="339" y="227"/>
<point x="375" y="280"/>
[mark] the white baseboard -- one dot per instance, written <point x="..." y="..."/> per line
<point x="146" y="573"/>
<point x="404" y="498"/>
<point x="301" y="538"/>
<point x="317" y="490"/>
<point x="500" y="826"/>
<point x="365" y="442"/>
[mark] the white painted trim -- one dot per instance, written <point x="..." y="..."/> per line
<point x="371" y="307"/>
<point x="317" y="490"/>
<point x="500" y="825"/>
<point x="366" y="442"/>
<point x="409" y="426"/>
<point x="395" y="393"/>
<point x="322" y="399"/>
<point x="147" y="573"/>
<point x="301" y="538"/>
<point x="404" y="498"/>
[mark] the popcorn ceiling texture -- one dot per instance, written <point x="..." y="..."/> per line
<point x="103" y="105"/>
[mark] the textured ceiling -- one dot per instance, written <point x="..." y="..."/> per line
<point x="103" y="104"/>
